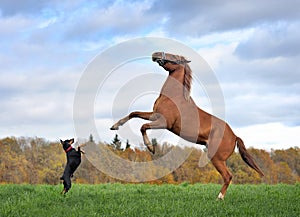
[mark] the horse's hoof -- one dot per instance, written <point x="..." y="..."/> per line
<point x="151" y="148"/>
<point x="114" y="128"/>
<point x="220" y="197"/>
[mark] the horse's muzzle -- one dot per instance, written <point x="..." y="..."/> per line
<point x="161" y="62"/>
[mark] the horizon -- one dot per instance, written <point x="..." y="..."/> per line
<point x="139" y="146"/>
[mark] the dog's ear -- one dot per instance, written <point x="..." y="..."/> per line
<point x="71" y="141"/>
<point x="61" y="141"/>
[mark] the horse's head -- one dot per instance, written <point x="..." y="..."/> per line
<point x="171" y="63"/>
<point x="162" y="58"/>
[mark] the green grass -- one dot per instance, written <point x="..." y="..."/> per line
<point x="149" y="200"/>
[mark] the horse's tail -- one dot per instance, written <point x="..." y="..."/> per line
<point x="246" y="156"/>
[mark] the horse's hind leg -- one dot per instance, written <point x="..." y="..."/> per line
<point x="143" y="115"/>
<point x="226" y="175"/>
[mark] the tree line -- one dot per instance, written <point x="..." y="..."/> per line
<point x="38" y="161"/>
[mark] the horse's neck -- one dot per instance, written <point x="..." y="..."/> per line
<point x="174" y="84"/>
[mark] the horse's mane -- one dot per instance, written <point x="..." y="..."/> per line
<point x="187" y="82"/>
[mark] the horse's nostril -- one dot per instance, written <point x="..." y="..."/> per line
<point x="161" y="62"/>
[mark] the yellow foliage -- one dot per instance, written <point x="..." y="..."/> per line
<point x="37" y="161"/>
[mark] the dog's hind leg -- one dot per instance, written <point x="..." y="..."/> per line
<point x="67" y="180"/>
<point x="67" y="183"/>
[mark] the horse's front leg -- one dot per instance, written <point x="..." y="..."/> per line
<point x="143" y="115"/>
<point x="159" y="123"/>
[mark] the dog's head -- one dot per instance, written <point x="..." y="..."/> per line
<point x="67" y="143"/>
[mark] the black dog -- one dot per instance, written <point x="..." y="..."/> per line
<point x="73" y="161"/>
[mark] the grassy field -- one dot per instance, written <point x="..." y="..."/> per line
<point x="149" y="200"/>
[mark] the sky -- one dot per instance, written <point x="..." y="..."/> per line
<point x="252" y="47"/>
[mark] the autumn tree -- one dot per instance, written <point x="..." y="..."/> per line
<point x="91" y="138"/>
<point x="37" y="161"/>
<point x="116" y="143"/>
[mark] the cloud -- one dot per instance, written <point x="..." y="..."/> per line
<point x="9" y="8"/>
<point x="12" y="26"/>
<point x="89" y="21"/>
<point x="31" y="8"/>
<point x="196" y="18"/>
<point x="119" y="18"/>
<point x="279" y="40"/>
<point x="258" y="91"/>
<point x="44" y="46"/>
<point x="270" y="136"/>
<point x="259" y="107"/>
<point x="81" y="21"/>
<point x="36" y="104"/>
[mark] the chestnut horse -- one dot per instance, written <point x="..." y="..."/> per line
<point x="175" y="110"/>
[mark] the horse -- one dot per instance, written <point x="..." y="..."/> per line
<point x="176" y="111"/>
